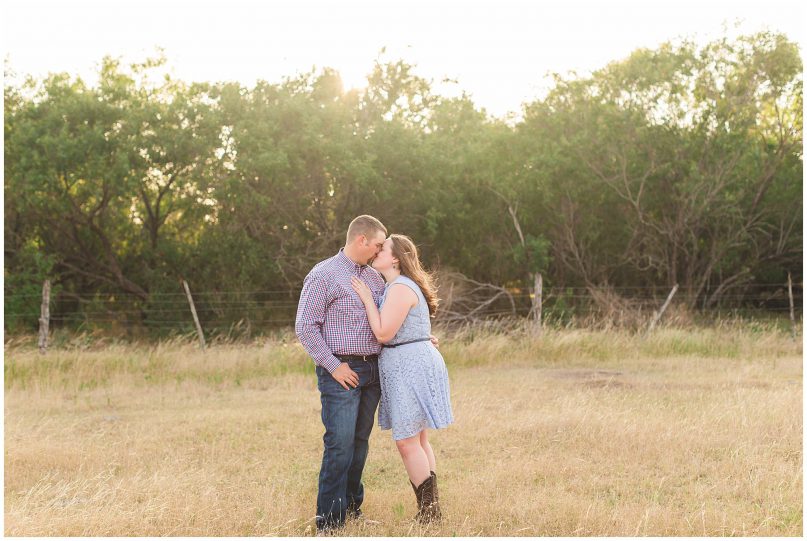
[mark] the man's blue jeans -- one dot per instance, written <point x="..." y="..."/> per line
<point x="348" y="418"/>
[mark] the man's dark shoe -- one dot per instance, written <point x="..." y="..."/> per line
<point x="325" y="531"/>
<point x="354" y="514"/>
<point x="358" y="516"/>
<point x="327" y="527"/>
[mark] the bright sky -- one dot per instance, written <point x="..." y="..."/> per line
<point x="499" y="51"/>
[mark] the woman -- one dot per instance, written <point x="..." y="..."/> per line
<point x="414" y="379"/>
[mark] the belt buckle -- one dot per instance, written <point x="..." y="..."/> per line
<point x="364" y="358"/>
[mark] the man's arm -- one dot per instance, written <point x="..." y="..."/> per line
<point x="310" y="320"/>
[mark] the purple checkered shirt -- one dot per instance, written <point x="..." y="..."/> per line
<point x="331" y="319"/>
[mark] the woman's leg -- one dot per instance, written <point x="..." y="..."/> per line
<point x="427" y="448"/>
<point x="414" y="458"/>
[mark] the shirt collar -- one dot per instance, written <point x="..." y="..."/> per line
<point x="348" y="263"/>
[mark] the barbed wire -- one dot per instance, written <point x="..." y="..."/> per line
<point x="170" y="294"/>
<point x="181" y="308"/>
<point x="156" y="317"/>
<point x="170" y="310"/>
<point x="295" y="292"/>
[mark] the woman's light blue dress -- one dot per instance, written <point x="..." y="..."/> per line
<point x="414" y="379"/>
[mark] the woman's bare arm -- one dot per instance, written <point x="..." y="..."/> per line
<point x="386" y="323"/>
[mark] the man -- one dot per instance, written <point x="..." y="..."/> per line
<point x="333" y="328"/>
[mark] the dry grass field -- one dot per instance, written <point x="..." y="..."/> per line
<point x="686" y="433"/>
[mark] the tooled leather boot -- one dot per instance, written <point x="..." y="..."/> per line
<point x="438" y="514"/>
<point x="428" y="508"/>
<point x="418" y="493"/>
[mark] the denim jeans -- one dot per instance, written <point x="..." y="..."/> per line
<point x="348" y="418"/>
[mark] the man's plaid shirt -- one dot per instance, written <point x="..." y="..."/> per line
<point x="331" y="319"/>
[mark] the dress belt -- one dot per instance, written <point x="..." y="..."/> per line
<point x="363" y="358"/>
<point x="404" y="343"/>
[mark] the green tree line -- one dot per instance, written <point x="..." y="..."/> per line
<point x="679" y="165"/>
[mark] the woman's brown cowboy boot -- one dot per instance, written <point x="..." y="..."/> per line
<point x="438" y="514"/>
<point x="418" y="493"/>
<point x="428" y="508"/>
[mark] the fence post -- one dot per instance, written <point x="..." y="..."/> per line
<point x="44" y="317"/>
<point x="195" y="317"/>
<point x="663" y="308"/>
<point x="537" y="303"/>
<point x="790" y="296"/>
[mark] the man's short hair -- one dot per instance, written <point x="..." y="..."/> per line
<point x="364" y="225"/>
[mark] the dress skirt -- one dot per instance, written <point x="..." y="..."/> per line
<point x="414" y="390"/>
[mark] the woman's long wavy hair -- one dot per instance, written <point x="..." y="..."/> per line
<point x="406" y="252"/>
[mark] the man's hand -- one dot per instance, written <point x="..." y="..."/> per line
<point x="345" y="376"/>
<point x="435" y="341"/>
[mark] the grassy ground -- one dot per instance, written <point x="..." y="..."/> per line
<point x="688" y="432"/>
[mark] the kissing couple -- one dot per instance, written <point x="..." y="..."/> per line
<point x="364" y="317"/>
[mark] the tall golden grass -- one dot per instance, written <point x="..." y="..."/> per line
<point x="687" y="432"/>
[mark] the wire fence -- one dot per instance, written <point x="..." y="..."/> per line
<point x="250" y="311"/>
